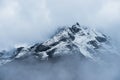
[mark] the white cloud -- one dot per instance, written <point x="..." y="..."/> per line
<point x="29" y="21"/>
<point x="8" y="10"/>
<point x="23" y="21"/>
<point x="109" y="13"/>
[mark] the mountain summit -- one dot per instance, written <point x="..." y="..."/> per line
<point x="68" y="40"/>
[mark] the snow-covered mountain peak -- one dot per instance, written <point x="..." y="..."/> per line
<point x="68" y="40"/>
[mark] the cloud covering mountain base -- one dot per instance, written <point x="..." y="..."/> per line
<point x="64" y="68"/>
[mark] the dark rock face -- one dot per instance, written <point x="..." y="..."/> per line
<point x="78" y="24"/>
<point x="19" y="49"/>
<point x="34" y="46"/>
<point x="71" y="30"/>
<point x="41" y="48"/>
<point x="101" y="39"/>
<point x="75" y="29"/>
<point x="51" y="53"/>
<point x="64" y="39"/>
<point x="71" y="36"/>
<point x="93" y="43"/>
<point x="69" y="46"/>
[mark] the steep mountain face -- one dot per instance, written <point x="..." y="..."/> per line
<point x="69" y="40"/>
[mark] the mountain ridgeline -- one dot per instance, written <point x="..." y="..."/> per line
<point x="76" y="39"/>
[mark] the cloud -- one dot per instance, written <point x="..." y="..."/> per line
<point x="9" y="10"/>
<point x="70" y="67"/>
<point x="29" y="21"/>
<point x="23" y="21"/>
<point x="108" y="14"/>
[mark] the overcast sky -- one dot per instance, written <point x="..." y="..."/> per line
<point x="30" y="21"/>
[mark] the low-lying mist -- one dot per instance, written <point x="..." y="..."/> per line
<point x="71" y="67"/>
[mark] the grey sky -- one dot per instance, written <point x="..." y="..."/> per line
<point x="29" y="21"/>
